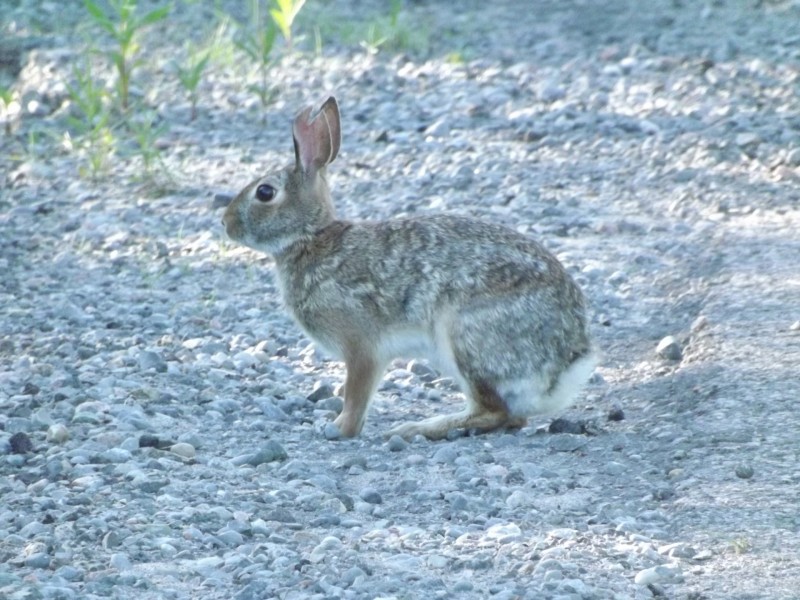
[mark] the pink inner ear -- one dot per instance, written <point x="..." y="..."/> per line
<point x="313" y="140"/>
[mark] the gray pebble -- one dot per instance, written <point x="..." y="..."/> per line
<point x="396" y="444"/>
<point x="422" y="370"/>
<point x="55" y="592"/>
<point x="370" y="495"/>
<point x="150" y="486"/>
<point x="116" y="456"/>
<point x="320" y="392"/>
<point x="669" y="348"/>
<point x="793" y="158"/>
<point x="457" y="501"/>
<point x="271" y="451"/>
<point x="119" y="561"/>
<point x="615" y="413"/>
<point x="229" y="537"/>
<point x="20" y="443"/>
<point x="447" y="454"/>
<point x="18" y="424"/>
<point x="332" y="403"/>
<point x="329" y="547"/>
<point x="149" y="359"/>
<point x="281" y="515"/>
<point x="57" y="433"/>
<point x="406" y="486"/>
<point x="659" y="574"/>
<point x="566" y="442"/>
<point x="678" y="550"/>
<point x="331" y="431"/>
<point x="271" y="410"/>
<point x="744" y="471"/>
<point x="699" y="324"/>
<point x="38" y="560"/>
<point x="183" y="449"/>
<point x="350" y="576"/>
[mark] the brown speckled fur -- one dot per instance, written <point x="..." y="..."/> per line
<point x="490" y="306"/>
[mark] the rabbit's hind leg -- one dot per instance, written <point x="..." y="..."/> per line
<point x="486" y="411"/>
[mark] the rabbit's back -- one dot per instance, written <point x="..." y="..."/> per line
<point x="407" y="271"/>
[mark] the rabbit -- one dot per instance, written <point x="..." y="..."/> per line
<point x="487" y="305"/>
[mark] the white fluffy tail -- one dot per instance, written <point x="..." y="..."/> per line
<point x="569" y="384"/>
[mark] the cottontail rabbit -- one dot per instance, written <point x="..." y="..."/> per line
<point x="489" y="306"/>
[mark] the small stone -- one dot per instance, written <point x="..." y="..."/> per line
<point x="663" y="492"/>
<point x="329" y="546"/>
<point x="552" y="92"/>
<point x="115" y="456"/>
<point x="149" y="359"/>
<point x="445" y="455"/>
<point x="57" y="433"/>
<point x="615" y="469"/>
<point x="38" y="560"/>
<point x="566" y="426"/>
<point x="333" y="403"/>
<point x="422" y="370"/>
<point x="659" y="574"/>
<point x="271" y="451"/>
<point x="617" y="278"/>
<point x="119" y="561"/>
<point x="111" y="540"/>
<point x="30" y="389"/>
<point x="229" y="537"/>
<point x="678" y="550"/>
<point x="150" y="486"/>
<point x="396" y="444"/>
<point x="406" y="486"/>
<point x="20" y="443"/>
<point x="747" y="139"/>
<point x="148" y="440"/>
<point x="331" y="431"/>
<point x="438" y="128"/>
<point x="567" y="442"/>
<point x="744" y="471"/>
<point x="281" y="515"/>
<point x="350" y="576"/>
<point x="504" y="533"/>
<point x="699" y="324"/>
<point x="370" y="495"/>
<point x="18" y="424"/>
<point x="518" y="498"/>
<point x="616" y="413"/>
<point x="320" y="392"/>
<point x="669" y="349"/>
<point x="183" y="449"/>
<point x="793" y="159"/>
<point x="70" y="573"/>
<point x="457" y="501"/>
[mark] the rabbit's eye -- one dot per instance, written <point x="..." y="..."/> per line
<point x="265" y="192"/>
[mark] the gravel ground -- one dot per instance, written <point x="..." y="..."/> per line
<point x="163" y="422"/>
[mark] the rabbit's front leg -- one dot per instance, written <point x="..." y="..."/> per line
<point x="363" y="373"/>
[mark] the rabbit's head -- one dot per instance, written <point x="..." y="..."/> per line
<point x="285" y="206"/>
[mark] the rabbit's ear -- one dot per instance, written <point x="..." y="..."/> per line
<point x="316" y="137"/>
<point x="331" y="111"/>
